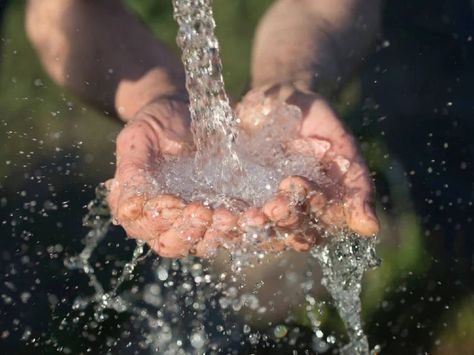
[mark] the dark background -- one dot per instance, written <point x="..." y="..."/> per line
<point x="411" y="105"/>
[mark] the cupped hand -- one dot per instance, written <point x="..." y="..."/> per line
<point x="171" y="226"/>
<point x="345" y="201"/>
<point x="160" y="128"/>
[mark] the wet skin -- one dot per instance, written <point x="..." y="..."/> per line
<point x="295" y="217"/>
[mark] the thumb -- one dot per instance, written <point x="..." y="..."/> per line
<point x="112" y="194"/>
<point x="358" y="204"/>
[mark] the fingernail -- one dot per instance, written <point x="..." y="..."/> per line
<point x="370" y="214"/>
<point x="342" y="163"/>
<point x="320" y="147"/>
<point x="368" y="210"/>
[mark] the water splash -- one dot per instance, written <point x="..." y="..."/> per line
<point x="188" y="288"/>
<point x="176" y="310"/>
<point x="98" y="219"/>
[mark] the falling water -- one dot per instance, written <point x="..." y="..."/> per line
<point x="213" y="122"/>
<point x="234" y="166"/>
<point x="344" y="259"/>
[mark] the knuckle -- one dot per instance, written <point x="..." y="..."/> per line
<point x="295" y="184"/>
<point x="130" y="208"/>
<point x="252" y="218"/>
<point x="197" y="213"/>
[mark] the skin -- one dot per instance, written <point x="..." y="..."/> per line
<point x="223" y="233"/>
<point x="102" y="53"/>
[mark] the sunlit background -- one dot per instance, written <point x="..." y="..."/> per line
<point x="411" y="105"/>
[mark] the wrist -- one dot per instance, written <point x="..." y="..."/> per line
<point x="157" y="84"/>
<point x="160" y="127"/>
<point x="307" y="81"/>
<point x="163" y="112"/>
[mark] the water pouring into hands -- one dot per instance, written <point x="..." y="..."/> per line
<point x="295" y="216"/>
<point x="286" y="141"/>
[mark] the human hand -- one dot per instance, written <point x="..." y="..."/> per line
<point x="346" y="201"/>
<point x="174" y="228"/>
<point x="171" y="226"/>
<point x="160" y="128"/>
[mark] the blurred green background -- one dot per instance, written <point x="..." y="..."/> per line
<point x="55" y="150"/>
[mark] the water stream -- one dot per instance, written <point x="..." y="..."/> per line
<point x="176" y="306"/>
<point x="214" y="124"/>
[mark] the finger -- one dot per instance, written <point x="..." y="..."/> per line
<point x="317" y="203"/>
<point x="224" y="220"/>
<point x="358" y="201"/>
<point x="345" y="165"/>
<point x="254" y="223"/>
<point x="297" y="187"/>
<point x="252" y="218"/>
<point x="313" y="146"/>
<point x="272" y="245"/>
<point x="162" y="211"/>
<point x="222" y="232"/>
<point x="146" y="220"/>
<point x="185" y="232"/>
<point x="129" y="189"/>
<point x="299" y="241"/>
<point x="139" y="229"/>
<point x="209" y="244"/>
<point x="171" y="244"/>
<point x="333" y="216"/>
<point x="254" y="226"/>
<point x="321" y="122"/>
<point x="328" y="212"/>
<point x="213" y="240"/>
<point x="334" y="146"/>
<point x="252" y="112"/>
<point x="281" y="211"/>
<point x="129" y="208"/>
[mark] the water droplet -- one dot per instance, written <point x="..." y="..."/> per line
<point x="280" y="331"/>
<point x="162" y="274"/>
